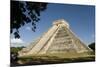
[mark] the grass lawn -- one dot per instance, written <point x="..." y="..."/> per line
<point x="54" y="59"/>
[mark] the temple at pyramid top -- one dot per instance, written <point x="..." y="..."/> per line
<point x="61" y="22"/>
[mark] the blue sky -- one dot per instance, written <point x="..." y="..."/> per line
<point x="81" y="19"/>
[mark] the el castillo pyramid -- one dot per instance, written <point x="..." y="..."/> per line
<point x="58" y="40"/>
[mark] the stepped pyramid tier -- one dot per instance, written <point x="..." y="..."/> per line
<point x="57" y="40"/>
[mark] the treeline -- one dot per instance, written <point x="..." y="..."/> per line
<point x="92" y="46"/>
<point x="15" y="49"/>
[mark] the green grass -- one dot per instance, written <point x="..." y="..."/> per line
<point x="52" y="60"/>
<point x="55" y="59"/>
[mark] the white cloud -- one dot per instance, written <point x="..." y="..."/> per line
<point x="17" y="42"/>
<point x="28" y="28"/>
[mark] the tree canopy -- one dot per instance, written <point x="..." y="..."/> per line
<point x="92" y="46"/>
<point x="24" y="12"/>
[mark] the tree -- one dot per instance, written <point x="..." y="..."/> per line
<point x="92" y="46"/>
<point x="23" y="12"/>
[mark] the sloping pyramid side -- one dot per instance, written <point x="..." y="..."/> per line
<point x="59" y="39"/>
<point x="39" y="44"/>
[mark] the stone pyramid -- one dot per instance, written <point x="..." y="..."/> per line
<point x="57" y="40"/>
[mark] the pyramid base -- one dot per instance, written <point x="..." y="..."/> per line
<point x="56" y="58"/>
<point x="62" y="55"/>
